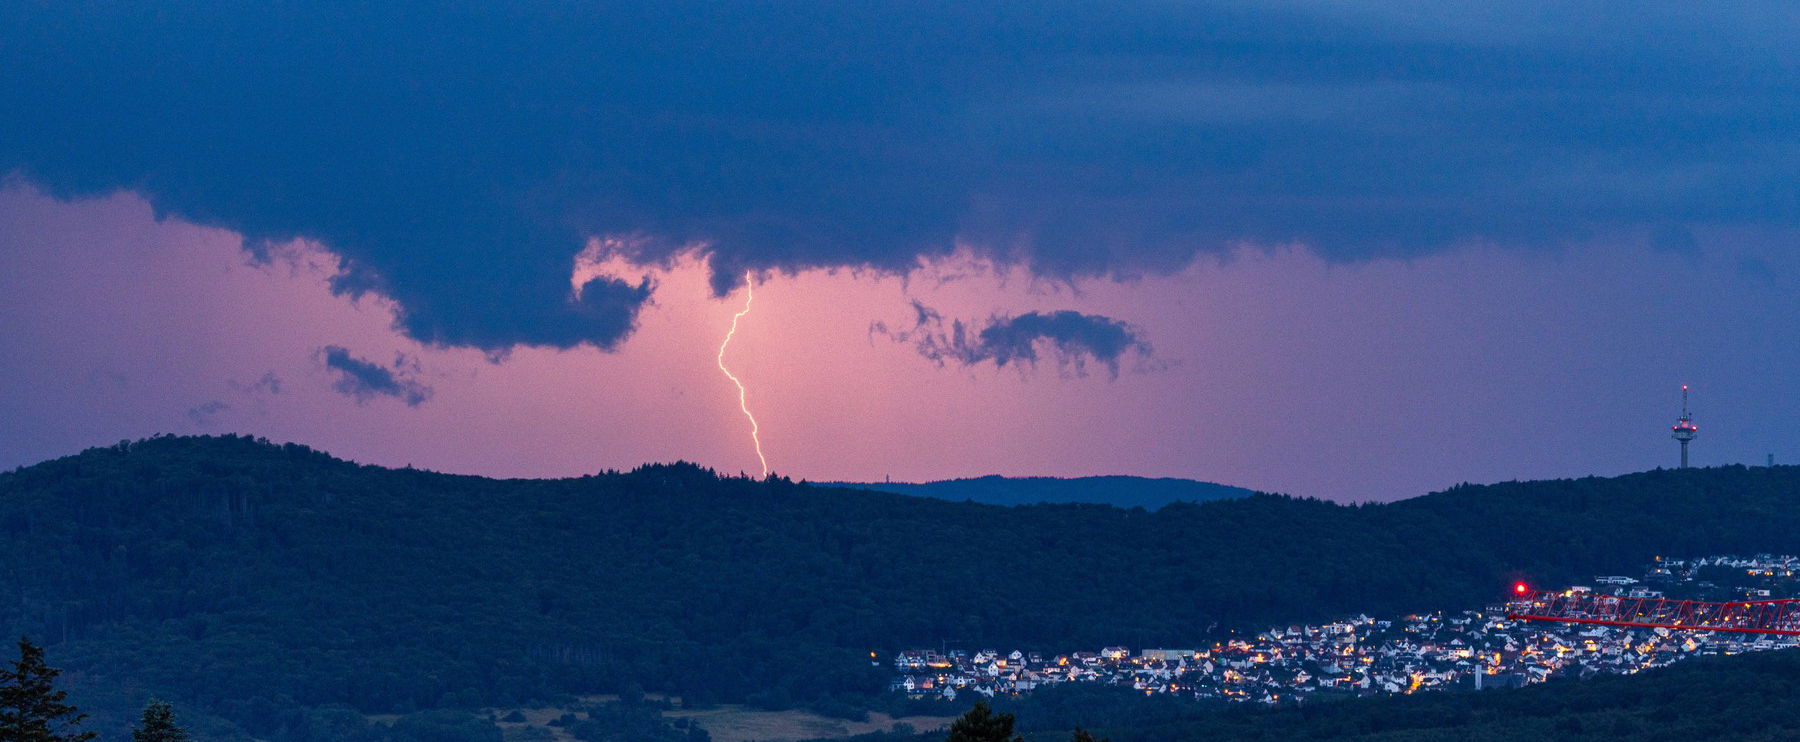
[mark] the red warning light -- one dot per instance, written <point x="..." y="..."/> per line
<point x="1519" y="588"/>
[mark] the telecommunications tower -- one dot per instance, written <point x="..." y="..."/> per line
<point x="1685" y="429"/>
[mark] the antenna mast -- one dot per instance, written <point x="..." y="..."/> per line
<point x="1684" y="429"/>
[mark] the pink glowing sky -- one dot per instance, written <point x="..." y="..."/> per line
<point x="1272" y="368"/>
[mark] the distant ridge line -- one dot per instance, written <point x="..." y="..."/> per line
<point x="1118" y="490"/>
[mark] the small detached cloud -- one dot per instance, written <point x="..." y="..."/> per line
<point x="1071" y="338"/>
<point x="205" y="415"/>
<point x="269" y="383"/>
<point x="364" y="380"/>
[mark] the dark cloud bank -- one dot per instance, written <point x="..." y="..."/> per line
<point x="458" y="158"/>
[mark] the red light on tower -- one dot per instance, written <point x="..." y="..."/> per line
<point x="1519" y="588"/>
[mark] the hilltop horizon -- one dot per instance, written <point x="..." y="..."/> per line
<point x="920" y="488"/>
<point x="1119" y="490"/>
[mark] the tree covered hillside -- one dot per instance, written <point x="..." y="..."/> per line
<point x="245" y="579"/>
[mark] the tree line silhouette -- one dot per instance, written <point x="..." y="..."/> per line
<point x="33" y="709"/>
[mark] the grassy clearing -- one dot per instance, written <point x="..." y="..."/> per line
<point x="729" y="723"/>
<point x="741" y="724"/>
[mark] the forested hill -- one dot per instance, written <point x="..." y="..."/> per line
<point x="1118" y="491"/>
<point x="250" y="580"/>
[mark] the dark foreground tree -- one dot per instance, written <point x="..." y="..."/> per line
<point x="31" y="709"/>
<point x="981" y="724"/>
<point x="158" y="725"/>
<point x="1082" y="735"/>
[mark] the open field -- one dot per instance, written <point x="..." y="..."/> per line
<point x="726" y="723"/>
<point x="741" y="724"/>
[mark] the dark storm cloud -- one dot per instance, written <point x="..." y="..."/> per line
<point x="1072" y="338"/>
<point x="365" y="380"/>
<point x="458" y="158"/>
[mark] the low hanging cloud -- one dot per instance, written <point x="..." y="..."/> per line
<point x="1071" y="338"/>
<point x="269" y="383"/>
<point x="365" y="380"/>
<point x="204" y="415"/>
<point x="457" y="161"/>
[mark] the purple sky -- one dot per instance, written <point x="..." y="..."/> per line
<point x="1270" y="369"/>
<point x="1358" y="249"/>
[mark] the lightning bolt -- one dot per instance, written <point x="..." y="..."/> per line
<point x="743" y="403"/>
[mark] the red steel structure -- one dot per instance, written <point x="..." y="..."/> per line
<point x="1749" y="616"/>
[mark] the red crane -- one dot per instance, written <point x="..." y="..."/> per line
<point x="1573" y="606"/>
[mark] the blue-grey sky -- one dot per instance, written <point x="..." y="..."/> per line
<point x="457" y="164"/>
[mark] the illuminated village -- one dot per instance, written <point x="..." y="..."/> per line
<point x="1368" y="656"/>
